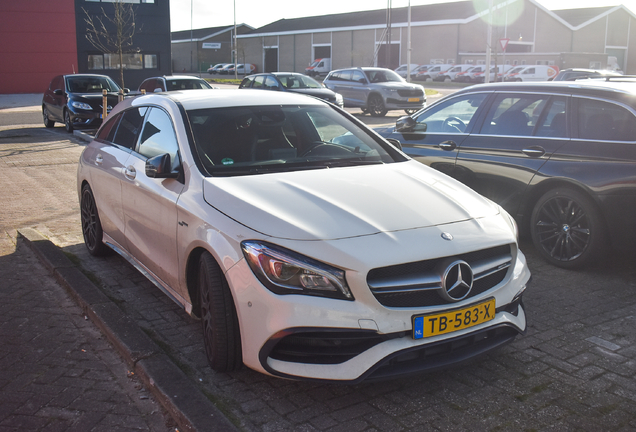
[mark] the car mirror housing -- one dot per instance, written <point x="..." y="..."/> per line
<point x="407" y="124"/>
<point x="160" y="167"/>
<point x="395" y="143"/>
<point x="58" y="92"/>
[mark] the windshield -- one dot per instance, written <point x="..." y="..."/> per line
<point x="262" y="139"/>
<point x="90" y="84"/>
<point x="299" y="82"/>
<point x="381" y="75"/>
<point x="186" y="84"/>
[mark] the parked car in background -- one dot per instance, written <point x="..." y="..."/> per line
<point x="494" y="72"/>
<point x="463" y="76"/>
<point x="241" y="69"/>
<point x="172" y="83"/>
<point x="558" y="157"/>
<point x="572" y="74"/>
<point x="291" y="82"/>
<point x="534" y="73"/>
<point x="376" y="90"/>
<point x="501" y="77"/>
<point x="451" y="73"/>
<point x="420" y="68"/>
<point x="319" y="67"/>
<point x="403" y="70"/>
<point x="217" y="67"/>
<point x="224" y="70"/>
<point x="432" y="72"/>
<point x="77" y="101"/>
<point x="309" y="247"/>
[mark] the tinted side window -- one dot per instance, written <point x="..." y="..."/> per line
<point x="129" y="126"/>
<point x="247" y="82"/>
<point x="158" y="137"/>
<point x="107" y="132"/>
<point x="358" y="76"/>
<point x="258" y="81"/>
<point x="271" y="83"/>
<point x="57" y="83"/>
<point x="605" y="121"/>
<point x="512" y="114"/>
<point x="552" y="123"/>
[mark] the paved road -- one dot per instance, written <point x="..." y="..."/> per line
<point x="574" y="370"/>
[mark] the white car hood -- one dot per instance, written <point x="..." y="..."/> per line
<point x="336" y="203"/>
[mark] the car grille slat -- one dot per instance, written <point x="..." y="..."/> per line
<point x="416" y="284"/>
<point x="410" y="92"/>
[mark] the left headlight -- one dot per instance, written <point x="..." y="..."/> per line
<point x="285" y="272"/>
<point x="339" y="99"/>
<point x="81" y="105"/>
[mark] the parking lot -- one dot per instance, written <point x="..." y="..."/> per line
<point x="573" y="370"/>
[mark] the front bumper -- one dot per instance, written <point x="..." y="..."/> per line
<point x="85" y="119"/>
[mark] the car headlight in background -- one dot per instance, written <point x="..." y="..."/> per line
<point x="81" y="105"/>
<point x="339" y="99"/>
<point x="285" y="272"/>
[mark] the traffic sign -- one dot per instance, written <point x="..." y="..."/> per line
<point x="503" y="43"/>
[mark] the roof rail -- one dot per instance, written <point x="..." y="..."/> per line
<point x="619" y="77"/>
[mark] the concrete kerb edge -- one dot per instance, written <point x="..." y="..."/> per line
<point x="188" y="406"/>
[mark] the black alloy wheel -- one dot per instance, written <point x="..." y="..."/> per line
<point x="376" y="106"/>
<point x="567" y="228"/>
<point x="221" y="335"/>
<point x="91" y="225"/>
<point x="45" y="116"/>
<point x="68" y="123"/>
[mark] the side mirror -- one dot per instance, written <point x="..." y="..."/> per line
<point x="126" y="90"/>
<point x="160" y="167"/>
<point x="58" y="92"/>
<point x="407" y="124"/>
<point x="395" y="143"/>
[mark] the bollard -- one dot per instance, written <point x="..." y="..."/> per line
<point x="104" y="103"/>
<point x="120" y="97"/>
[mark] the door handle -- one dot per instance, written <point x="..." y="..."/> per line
<point x="99" y="160"/>
<point x="534" y="152"/>
<point x="130" y="172"/>
<point x="448" y="145"/>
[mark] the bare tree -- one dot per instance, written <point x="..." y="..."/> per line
<point x="113" y="33"/>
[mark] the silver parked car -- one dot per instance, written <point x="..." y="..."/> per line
<point x="309" y="246"/>
<point x="376" y="90"/>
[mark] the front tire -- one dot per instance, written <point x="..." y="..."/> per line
<point x="91" y="225"/>
<point x="376" y="106"/>
<point x="221" y="335"/>
<point x="68" y="123"/>
<point x="567" y="228"/>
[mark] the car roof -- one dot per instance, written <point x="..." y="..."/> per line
<point x="200" y="99"/>
<point x="617" y="84"/>
<point x="179" y="77"/>
<point x="86" y="75"/>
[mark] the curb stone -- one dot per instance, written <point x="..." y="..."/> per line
<point x="173" y="389"/>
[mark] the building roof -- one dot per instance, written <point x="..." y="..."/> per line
<point x="576" y="17"/>
<point x="204" y="33"/>
<point x="434" y="12"/>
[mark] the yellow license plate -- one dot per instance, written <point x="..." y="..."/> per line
<point x="441" y="323"/>
<point x="414" y="99"/>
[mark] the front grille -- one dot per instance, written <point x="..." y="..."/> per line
<point x="417" y="284"/>
<point x="411" y="93"/>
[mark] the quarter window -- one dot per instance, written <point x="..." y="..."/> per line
<point x="604" y="121"/>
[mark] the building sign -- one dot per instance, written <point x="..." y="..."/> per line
<point x="211" y="45"/>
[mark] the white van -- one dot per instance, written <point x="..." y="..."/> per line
<point x="502" y="76"/>
<point x="403" y="69"/>
<point x="321" y="66"/>
<point x="432" y="72"/>
<point x="500" y="69"/>
<point x="452" y="72"/>
<point x="534" y="73"/>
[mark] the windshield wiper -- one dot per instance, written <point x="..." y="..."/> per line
<point x="350" y="162"/>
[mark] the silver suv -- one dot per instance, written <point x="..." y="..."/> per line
<point x="376" y="90"/>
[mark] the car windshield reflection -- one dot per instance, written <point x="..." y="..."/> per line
<point x="256" y="140"/>
<point x="84" y="84"/>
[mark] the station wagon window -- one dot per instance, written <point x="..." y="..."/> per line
<point x="158" y="137"/>
<point x="514" y="115"/>
<point x="452" y="116"/>
<point x="129" y="126"/>
<point x="358" y="76"/>
<point x="552" y="122"/>
<point x="605" y="121"/>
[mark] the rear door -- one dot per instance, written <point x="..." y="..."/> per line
<point x="518" y="135"/>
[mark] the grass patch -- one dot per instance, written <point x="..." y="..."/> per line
<point x="224" y="80"/>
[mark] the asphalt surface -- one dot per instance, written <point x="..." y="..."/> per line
<point x="574" y="370"/>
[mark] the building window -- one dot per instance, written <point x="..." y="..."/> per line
<point x="130" y="61"/>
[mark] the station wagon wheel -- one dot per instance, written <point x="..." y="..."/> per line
<point x="68" y="124"/>
<point x="567" y="228"/>
<point x="45" y="116"/>
<point x="221" y="335"/>
<point x="376" y="106"/>
<point x="91" y="225"/>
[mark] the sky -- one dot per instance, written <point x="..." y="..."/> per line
<point x="257" y="13"/>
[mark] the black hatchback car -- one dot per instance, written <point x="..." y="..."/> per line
<point x="76" y="100"/>
<point x="559" y="156"/>
<point x="291" y="82"/>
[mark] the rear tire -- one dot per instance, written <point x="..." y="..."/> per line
<point x="221" y="335"/>
<point x="567" y="229"/>
<point x="45" y="116"/>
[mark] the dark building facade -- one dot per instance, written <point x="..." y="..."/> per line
<point x="40" y="39"/>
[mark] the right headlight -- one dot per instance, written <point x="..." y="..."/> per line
<point x="285" y="272"/>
